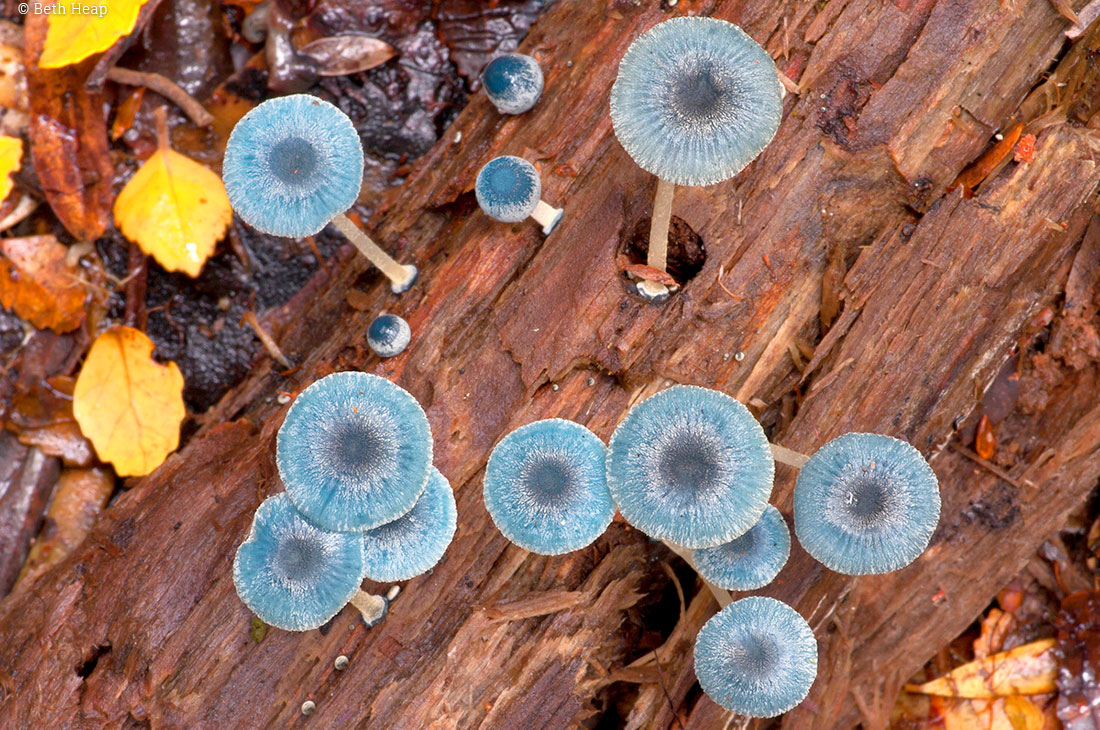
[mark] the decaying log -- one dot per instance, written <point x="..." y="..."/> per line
<point x="141" y="624"/>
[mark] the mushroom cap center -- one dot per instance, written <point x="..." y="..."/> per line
<point x="742" y="546"/>
<point x="688" y="466"/>
<point x="758" y="656"/>
<point x="294" y="161"/>
<point x="357" y="448"/>
<point x="867" y="498"/>
<point x="549" y="478"/>
<point x="504" y="181"/>
<point x="298" y="558"/>
<point x="698" y="94"/>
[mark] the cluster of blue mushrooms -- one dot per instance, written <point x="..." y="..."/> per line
<point x="293" y="165"/>
<point x="362" y="500"/>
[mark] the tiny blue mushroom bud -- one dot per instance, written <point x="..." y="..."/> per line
<point x="513" y="82"/>
<point x="354" y="451"/>
<point x="416" y="541"/>
<point x="865" y="503"/>
<point x="695" y="101"/>
<point x="691" y="466"/>
<point x="546" y="489"/>
<point x="293" y="575"/>
<point x="388" y="335"/>
<point x="508" y="190"/>
<point x="756" y="657"/>
<point x="748" y="562"/>
<point x="295" y="163"/>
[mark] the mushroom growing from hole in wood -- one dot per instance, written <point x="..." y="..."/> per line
<point x="416" y="541"/>
<point x="292" y="574"/>
<point x="756" y="657"/>
<point x="388" y="335"/>
<point x="865" y="503"/>
<point x="694" y="102"/>
<point x="546" y="489"/>
<point x="513" y="82"/>
<point x="294" y="164"/>
<point x="690" y="465"/>
<point x="508" y="190"/>
<point x="750" y="561"/>
<point x="354" y="451"/>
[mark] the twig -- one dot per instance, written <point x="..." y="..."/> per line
<point x="138" y="265"/>
<point x="166" y="88"/>
<point x="268" y="342"/>
<point x="990" y="466"/>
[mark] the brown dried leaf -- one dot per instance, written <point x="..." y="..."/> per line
<point x="347" y="54"/>
<point x="646" y="273"/>
<point x="37" y="283"/>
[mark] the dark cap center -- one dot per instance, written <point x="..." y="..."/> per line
<point x="293" y="161"/>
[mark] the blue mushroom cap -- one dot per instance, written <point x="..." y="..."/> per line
<point x="690" y="465"/>
<point x="414" y="542"/>
<point x="508" y="188"/>
<point x="293" y="575"/>
<point x="866" y="503"/>
<point x="513" y="82"/>
<point x="354" y="451"/>
<point x="751" y="561"/>
<point x="388" y="335"/>
<point x="695" y="101"/>
<point x="292" y="164"/>
<point x="545" y="487"/>
<point x="756" y="657"/>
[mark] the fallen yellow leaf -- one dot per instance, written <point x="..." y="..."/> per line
<point x="11" y="155"/>
<point x="1002" y="713"/>
<point x="175" y="209"/>
<point x="128" y="405"/>
<point x="38" y="285"/>
<point x="76" y="33"/>
<point x="1026" y="670"/>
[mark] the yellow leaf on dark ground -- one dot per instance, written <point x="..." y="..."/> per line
<point x="73" y="36"/>
<point x="38" y="285"/>
<point x="11" y="154"/>
<point x="175" y="209"/>
<point x="1026" y="670"/>
<point x="127" y="404"/>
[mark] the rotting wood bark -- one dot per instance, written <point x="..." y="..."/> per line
<point x="896" y="100"/>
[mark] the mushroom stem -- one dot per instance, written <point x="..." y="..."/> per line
<point x="790" y="457"/>
<point x="372" y="607"/>
<point x="723" y="597"/>
<point x="657" y="257"/>
<point x="547" y="216"/>
<point x="401" y="276"/>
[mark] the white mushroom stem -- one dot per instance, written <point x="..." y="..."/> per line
<point x="657" y="257"/>
<point x="401" y="276"/>
<point x="372" y="607"/>
<point x="722" y="596"/>
<point x="547" y="216"/>
<point x="790" y="457"/>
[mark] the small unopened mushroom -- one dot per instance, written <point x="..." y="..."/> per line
<point x="354" y="451"/>
<point x="748" y="562"/>
<point x="291" y="574"/>
<point x="513" y="82"/>
<point x="865" y="503"/>
<point x="690" y="465"/>
<point x="416" y="541"/>
<point x="508" y="189"/>
<point x="388" y="335"/>
<point x="294" y="164"/>
<point x="546" y="487"/>
<point x="756" y="657"/>
<point x="695" y="101"/>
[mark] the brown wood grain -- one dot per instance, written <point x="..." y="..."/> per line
<point x="142" y="624"/>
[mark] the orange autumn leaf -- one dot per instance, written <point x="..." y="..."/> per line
<point x="11" y="155"/>
<point x="128" y="405"/>
<point x="175" y="209"/>
<point x="985" y="441"/>
<point x="78" y="30"/>
<point x="38" y="285"/>
<point x="1026" y="670"/>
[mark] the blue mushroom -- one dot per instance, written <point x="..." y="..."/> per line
<point x="545" y="487"/>
<point x="416" y="541"/>
<point x="756" y="657"/>
<point x="295" y="163"/>
<point x="751" y="561"/>
<point x="388" y="335"/>
<point x="690" y="465"/>
<point x="293" y="575"/>
<point x="354" y="451"/>
<point x="513" y="82"/>
<point x="865" y="503"/>
<point x="695" y="101"/>
<point x="508" y="190"/>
